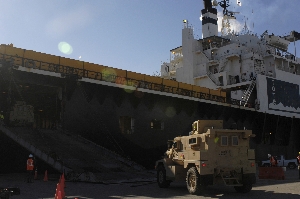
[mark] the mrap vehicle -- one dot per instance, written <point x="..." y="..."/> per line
<point x="209" y="155"/>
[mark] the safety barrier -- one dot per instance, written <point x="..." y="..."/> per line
<point x="276" y="173"/>
<point x="69" y="67"/>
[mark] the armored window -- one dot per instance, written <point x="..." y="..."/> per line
<point x="224" y="140"/>
<point x="193" y="141"/>
<point x="235" y="141"/>
<point x="175" y="145"/>
<point x="178" y="145"/>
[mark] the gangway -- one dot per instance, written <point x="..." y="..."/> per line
<point x="79" y="158"/>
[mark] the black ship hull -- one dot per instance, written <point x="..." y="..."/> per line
<point x="134" y="123"/>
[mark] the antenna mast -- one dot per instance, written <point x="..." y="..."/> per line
<point x="226" y="27"/>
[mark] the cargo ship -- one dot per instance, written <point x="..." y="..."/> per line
<point x="247" y="80"/>
<point x="256" y="71"/>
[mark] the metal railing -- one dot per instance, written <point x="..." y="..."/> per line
<point x="16" y="61"/>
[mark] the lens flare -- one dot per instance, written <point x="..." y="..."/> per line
<point x="170" y="111"/>
<point x="216" y="139"/>
<point x="109" y="75"/>
<point x="65" y="48"/>
<point x="128" y="90"/>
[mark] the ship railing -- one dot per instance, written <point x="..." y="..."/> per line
<point x="15" y="61"/>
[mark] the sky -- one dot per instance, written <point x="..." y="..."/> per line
<point x="133" y="35"/>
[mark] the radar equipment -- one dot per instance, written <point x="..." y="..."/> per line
<point x="227" y="15"/>
<point x="224" y="4"/>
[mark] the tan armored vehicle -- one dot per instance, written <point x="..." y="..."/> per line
<point x="209" y="155"/>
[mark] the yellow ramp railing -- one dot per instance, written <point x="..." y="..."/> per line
<point x="79" y="69"/>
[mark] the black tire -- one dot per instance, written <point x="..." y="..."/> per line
<point x="292" y="166"/>
<point x="247" y="187"/>
<point x="193" y="181"/>
<point x="161" y="177"/>
<point x="266" y="165"/>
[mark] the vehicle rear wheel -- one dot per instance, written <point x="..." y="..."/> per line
<point x="193" y="181"/>
<point x="292" y="166"/>
<point x="247" y="186"/>
<point x="161" y="177"/>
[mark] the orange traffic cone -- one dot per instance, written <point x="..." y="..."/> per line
<point x="63" y="180"/>
<point x="62" y="185"/>
<point x="62" y="189"/>
<point x="35" y="175"/>
<point x="46" y="176"/>
<point x="57" y="191"/>
<point x="59" y="195"/>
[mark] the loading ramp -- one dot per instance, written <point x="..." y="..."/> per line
<point x="80" y="159"/>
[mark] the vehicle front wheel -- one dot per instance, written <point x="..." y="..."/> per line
<point x="161" y="177"/>
<point x="292" y="166"/>
<point x="193" y="181"/>
<point x="266" y="165"/>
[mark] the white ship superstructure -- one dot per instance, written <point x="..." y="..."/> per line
<point x="257" y="71"/>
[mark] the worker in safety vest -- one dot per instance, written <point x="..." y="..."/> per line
<point x="273" y="160"/>
<point x="30" y="167"/>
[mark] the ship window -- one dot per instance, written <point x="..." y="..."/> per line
<point x="126" y="124"/>
<point x="157" y="124"/>
<point x="235" y="141"/>
<point x="224" y="140"/>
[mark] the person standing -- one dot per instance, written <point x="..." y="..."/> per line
<point x="30" y="167"/>
<point x="273" y="160"/>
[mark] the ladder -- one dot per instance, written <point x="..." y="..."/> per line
<point x="213" y="78"/>
<point x="247" y="93"/>
<point x="230" y="180"/>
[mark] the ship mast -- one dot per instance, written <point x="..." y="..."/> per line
<point x="227" y="15"/>
<point x="209" y="20"/>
